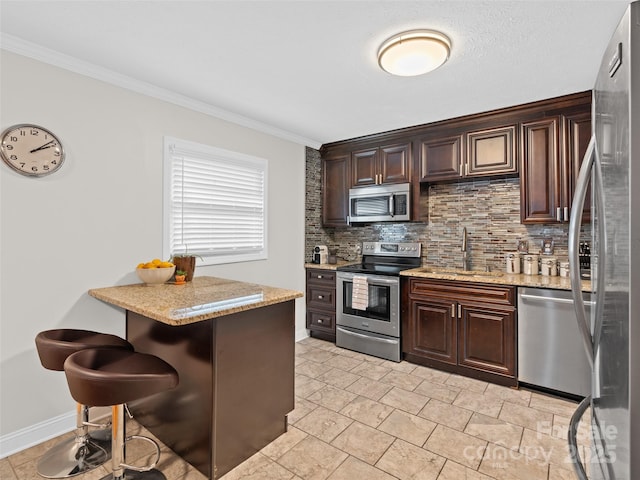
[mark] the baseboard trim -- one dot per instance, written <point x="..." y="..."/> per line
<point x="40" y="432"/>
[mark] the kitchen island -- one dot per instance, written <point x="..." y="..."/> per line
<point x="232" y="344"/>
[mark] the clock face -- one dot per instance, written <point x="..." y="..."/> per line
<point x="31" y="150"/>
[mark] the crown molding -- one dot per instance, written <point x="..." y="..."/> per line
<point x="22" y="47"/>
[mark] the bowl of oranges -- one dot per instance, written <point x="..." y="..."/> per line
<point x="155" y="272"/>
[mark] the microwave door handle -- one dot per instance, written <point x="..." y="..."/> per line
<point x="392" y="205"/>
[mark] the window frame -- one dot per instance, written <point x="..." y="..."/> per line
<point x="213" y="154"/>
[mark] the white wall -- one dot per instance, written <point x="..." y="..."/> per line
<point x="90" y="223"/>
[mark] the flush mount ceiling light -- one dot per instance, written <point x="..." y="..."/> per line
<point x="414" y="52"/>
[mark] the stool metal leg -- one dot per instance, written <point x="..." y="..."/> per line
<point x="76" y="455"/>
<point x="122" y="471"/>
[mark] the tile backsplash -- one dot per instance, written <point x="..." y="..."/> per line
<point x="489" y="209"/>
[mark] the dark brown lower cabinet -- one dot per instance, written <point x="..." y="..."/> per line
<point x="461" y="327"/>
<point x="321" y="303"/>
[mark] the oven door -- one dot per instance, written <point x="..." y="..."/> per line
<point x="382" y="314"/>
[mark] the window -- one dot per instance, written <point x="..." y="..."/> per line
<point x="215" y="203"/>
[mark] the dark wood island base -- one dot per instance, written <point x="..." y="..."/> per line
<point x="236" y="384"/>
<point x="232" y="344"/>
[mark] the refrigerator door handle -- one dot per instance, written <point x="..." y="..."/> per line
<point x="574" y="239"/>
<point x="578" y="466"/>
<point x="601" y="257"/>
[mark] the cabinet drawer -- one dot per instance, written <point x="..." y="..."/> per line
<point x="321" y="297"/>
<point x="469" y="291"/>
<point x="321" y="320"/>
<point x="321" y="277"/>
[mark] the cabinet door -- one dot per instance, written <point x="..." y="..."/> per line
<point x="335" y="190"/>
<point x="441" y="159"/>
<point x="394" y="163"/>
<point x="577" y="133"/>
<point x="364" y="167"/>
<point x="540" y="175"/>
<point x="492" y="152"/>
<point x="432" y="330"/>
<point x="486" y="339"/>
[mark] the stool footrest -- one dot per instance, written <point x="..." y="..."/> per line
<point x="150" y="466"/>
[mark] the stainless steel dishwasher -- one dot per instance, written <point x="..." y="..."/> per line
<point x="550" y="349"/>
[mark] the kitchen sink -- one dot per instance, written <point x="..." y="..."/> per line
<point x="462" y="273"/>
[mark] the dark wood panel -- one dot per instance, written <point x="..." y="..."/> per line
<point x="322" y="297"/>
<point x="321" y="303"/>
<point x="433" y="330"/>
<point x="492" y="151"/>
<point x="468" y="291"/>
<point x="321" y="320"/>
<point x="486" y="339"/>
<point x="395" y="163"/>
<point x="540" y="180"/>
<point x="336" y="181"/>
<point x="364" y="167"/>
<point x="321" y="276"/>
<point x="236" y="384"/>
<point x="441" y="158"/>
<point x="577" y="135"/>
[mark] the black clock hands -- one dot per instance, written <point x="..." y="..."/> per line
<point x="49" y="144"/>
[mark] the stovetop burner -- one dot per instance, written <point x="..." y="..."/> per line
<point x="386" y="258"/>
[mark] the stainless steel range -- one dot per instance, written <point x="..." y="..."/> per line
<point x="368" y="298"/>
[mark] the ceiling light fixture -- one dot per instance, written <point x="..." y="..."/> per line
<point x="414" y="52"/>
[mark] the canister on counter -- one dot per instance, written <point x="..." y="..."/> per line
<point x="564" y="267"/>
<point x="548" y="266"/>
<point x="512" y="260"/>
<point x="530" y="264"/>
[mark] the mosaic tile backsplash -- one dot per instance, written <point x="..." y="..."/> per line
<point x="489" y="209"/>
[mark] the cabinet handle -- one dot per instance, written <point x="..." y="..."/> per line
<point x="453" y="310"/>
<point x="459" y="311"/>
<point x="461" y="169"/>
<point x="320" y="297"/>
<point x="558" y="214"/>
<point x="319" y="320"/>
<point x="320" y="276"/>
<point x="566" y="214"/>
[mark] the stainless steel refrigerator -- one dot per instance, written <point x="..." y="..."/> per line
<point x="611" y="336"/>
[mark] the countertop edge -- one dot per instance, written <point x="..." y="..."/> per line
<point x="115" y="296"/>
<point x="505" y="279"/>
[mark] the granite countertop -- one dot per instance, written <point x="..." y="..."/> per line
<point x="496" y="278"/>
<point x="201" y="299"/>
<point x="330" y="266"/>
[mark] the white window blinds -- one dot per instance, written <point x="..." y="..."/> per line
<point x="215" y="203"/>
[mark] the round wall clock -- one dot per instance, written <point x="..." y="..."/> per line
<point x="31" y="150"/>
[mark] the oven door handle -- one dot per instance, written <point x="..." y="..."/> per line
<point x="360" y="335"/>
<point x="371" y="280"/>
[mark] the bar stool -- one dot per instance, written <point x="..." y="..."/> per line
<point x="86" y="450"/>
<point x="103" y="377"/>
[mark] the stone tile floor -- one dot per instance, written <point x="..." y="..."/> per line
<point x="361" y="417"/>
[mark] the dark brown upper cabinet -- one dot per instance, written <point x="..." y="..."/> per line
<point x="336" y="181"/>
<point x="441" y="158"/>
<point x="475" y="153"/>
<point x="552" y="152"/>
<point x="543" y="142"/>
<point x="492" y="151"/>
<point x="383" y="165"/>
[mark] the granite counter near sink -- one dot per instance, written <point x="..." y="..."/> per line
<point x="496" y="278"/>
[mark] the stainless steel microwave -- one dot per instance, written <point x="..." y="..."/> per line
<point x="380" y="203"/>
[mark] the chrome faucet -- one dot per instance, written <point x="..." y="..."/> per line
<point x="465" y="253"/>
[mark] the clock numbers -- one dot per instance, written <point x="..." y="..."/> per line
<point x="31" y="150"/>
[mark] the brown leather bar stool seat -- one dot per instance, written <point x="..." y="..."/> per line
<point x="109" y="377"/>
<point x="86" y="450"/>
